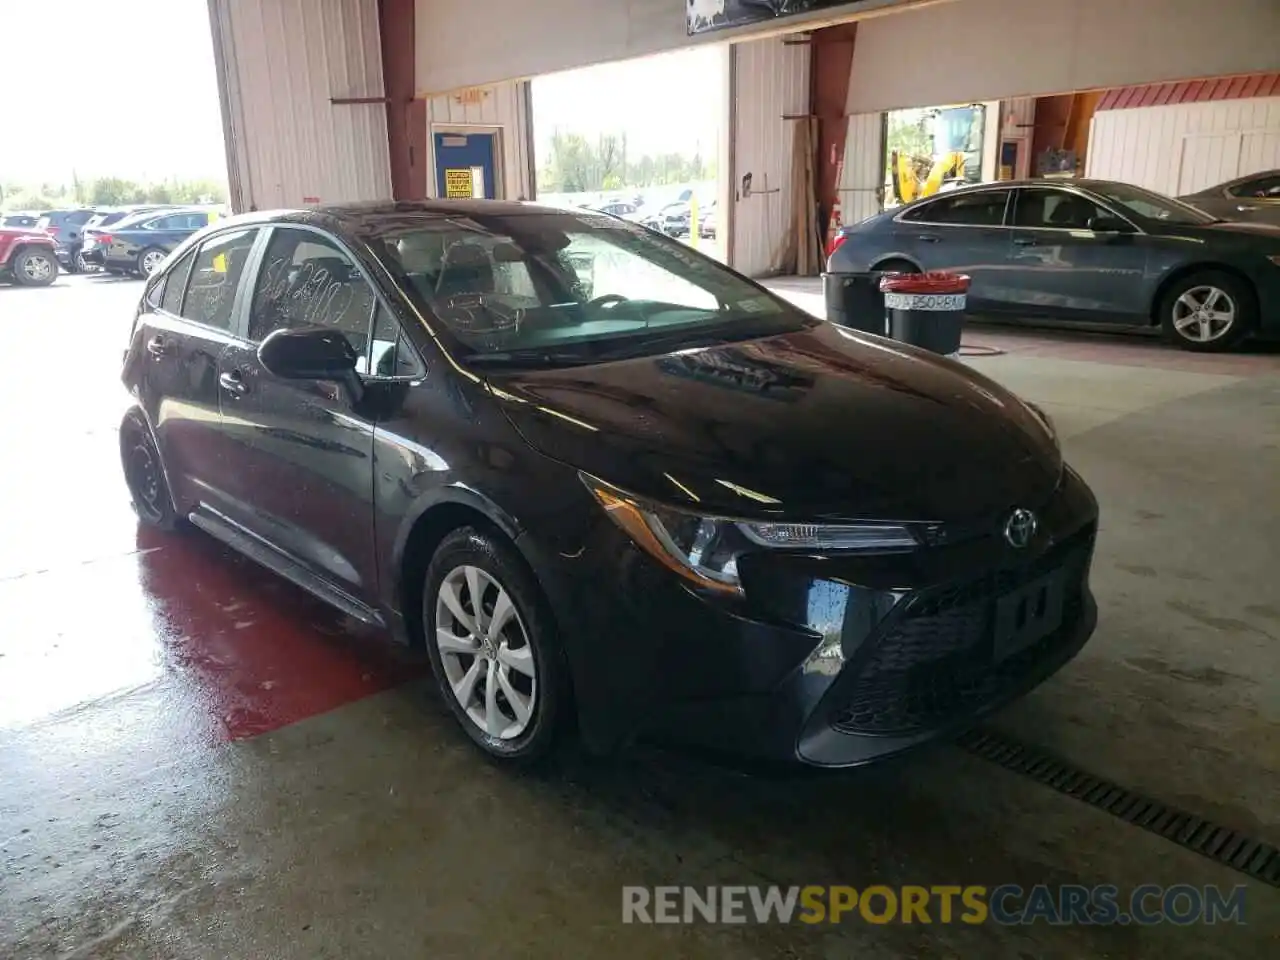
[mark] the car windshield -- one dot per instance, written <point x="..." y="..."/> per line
<point x="1152" y="206"/>
<point x="558" y="288"/>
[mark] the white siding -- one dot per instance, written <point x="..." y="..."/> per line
<point x="1183" y="148"/>
<point x="770" y="79"/>
<point x="862" y="176"/>
<point x="972" y="50"/>
<point x="483" y="41"/>
<point x="502" y="105"/>
<point x="279" y="63"/>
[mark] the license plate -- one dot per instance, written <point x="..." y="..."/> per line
<point x="1028" y="614"/>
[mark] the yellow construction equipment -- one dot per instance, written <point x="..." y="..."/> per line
<point x="956" y="134"/>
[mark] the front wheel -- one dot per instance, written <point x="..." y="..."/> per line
<point x="35" y="267"/>
<point x="493" y="648"/>
<point x="1208" y="311"/>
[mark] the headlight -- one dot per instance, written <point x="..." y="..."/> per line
<point x="705" y="549"/>
<point x="1275" y="259"/>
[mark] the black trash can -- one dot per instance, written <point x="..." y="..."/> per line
<point x="854" y="300"/>
<point x="926" y="309"/>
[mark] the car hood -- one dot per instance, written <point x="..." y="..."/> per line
<point x="33" y="232"/>
<point x="820" y="424"/>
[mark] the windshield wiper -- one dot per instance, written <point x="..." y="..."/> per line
<point x="529" y="358"/>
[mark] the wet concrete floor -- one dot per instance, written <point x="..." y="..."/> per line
<point x="196" y="760"/>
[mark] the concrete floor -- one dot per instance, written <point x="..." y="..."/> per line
<point x="198" y="761"/>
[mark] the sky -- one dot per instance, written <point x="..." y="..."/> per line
<point x="127" y="88"/>
<point x="669" y="103"/>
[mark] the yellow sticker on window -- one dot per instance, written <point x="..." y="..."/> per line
<point x="220" y="263"/>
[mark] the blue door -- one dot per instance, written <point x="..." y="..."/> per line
<point x="465" y="165"/>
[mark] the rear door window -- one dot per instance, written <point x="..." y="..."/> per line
<point x="215" y="275"/>
<point x="984" y="208"/>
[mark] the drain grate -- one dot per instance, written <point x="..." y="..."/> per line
<point x="1233" y="849"/>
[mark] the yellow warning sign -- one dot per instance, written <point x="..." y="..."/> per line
<point x="457" y="183"/>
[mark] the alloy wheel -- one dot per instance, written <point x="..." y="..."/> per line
<point x="485" y="651"/>
<point x="150" y="261"/>
<point x="38" y="267"/>
<point x="1204" y="314"/>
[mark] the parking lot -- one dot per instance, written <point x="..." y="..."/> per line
<point x="198" y="760"/>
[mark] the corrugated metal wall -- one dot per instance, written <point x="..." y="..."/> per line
<point x="769" y="79"/>
<point x="1185" y="148"/>
<point x="279" y="63"/>
<point x="503" y="105"/>
<point x="862" y="177"/>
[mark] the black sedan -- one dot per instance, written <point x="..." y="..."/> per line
<point x="607" y="482"/>
<point x="139" y="243"/>
<point x="1087" y="250"/>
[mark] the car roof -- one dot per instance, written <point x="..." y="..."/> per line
<point x="364" y="219"/>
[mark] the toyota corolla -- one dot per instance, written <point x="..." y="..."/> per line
<point x="606" y="482"/>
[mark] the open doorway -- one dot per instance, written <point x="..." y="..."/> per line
<point x="639" y="139"/>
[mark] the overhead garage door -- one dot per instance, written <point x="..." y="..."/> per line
<point x="975" y="50"/>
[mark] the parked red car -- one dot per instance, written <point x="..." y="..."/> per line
<point x="27" y="256"/>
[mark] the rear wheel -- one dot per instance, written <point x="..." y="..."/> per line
<point x="896" y="266"/>
<point x="35" y="267"/>
<point x="149" y="261"/>
<point x="144" y="474"/>
<point x="1208" y="311"/>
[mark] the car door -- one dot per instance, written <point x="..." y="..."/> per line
<point x="1059" y="265"/>
<point x="1256" y="200"/>
<point x="963" y="232"/>
<point x="185" y="326"/>
<point x="304" y="448"/>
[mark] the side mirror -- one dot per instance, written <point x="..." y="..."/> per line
<point x="308" y="353"/>
<point x="1107" y="224"/>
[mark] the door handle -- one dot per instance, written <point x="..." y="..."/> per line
<point x="1245" y="208"/>
<point x="1025" y="242"/>
<point x="232" y="383"/>
<point x="928" y="238"/>
<point x="157" y="347"/>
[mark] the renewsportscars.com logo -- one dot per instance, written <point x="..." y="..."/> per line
<point x="1008" y="904"/>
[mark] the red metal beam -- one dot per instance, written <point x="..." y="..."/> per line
<point x="830" y="65"/>
<point x="406" y="117"/>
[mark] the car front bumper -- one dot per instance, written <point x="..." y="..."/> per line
<point x="827" y="661"/>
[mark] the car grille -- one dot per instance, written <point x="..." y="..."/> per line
<point x="936" y="663"/>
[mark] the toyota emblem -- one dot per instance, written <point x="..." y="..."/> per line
<point x="1020" y="528"/>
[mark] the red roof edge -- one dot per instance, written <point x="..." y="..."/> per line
<point x="1194" y="91"/>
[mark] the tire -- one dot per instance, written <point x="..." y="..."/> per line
<point x="1208" y="311"/>
<point x="144" y="474"/>
<point x="35" y="267"/>
<point x="896" y="266"/>
<point x="149" y="260"/>
<point x="472" y="556"/>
